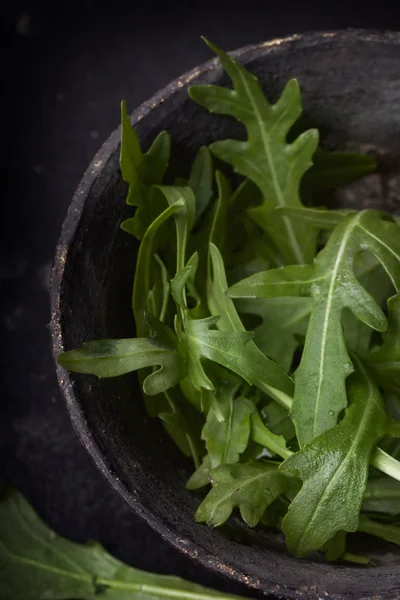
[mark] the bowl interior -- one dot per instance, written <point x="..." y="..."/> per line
<point x="350" y="86"/>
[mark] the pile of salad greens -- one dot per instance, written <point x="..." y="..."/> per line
<point x="268" y="326"/>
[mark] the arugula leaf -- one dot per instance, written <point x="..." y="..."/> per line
<point x="250" y="486"/>
<point x="145" y="263"/>
<point x="333" y="468"/>
<point x="201" y="477"/>
<point x="387" y="532"/>
<point x="184" y="424"/>
<point x="226" y="432"/>
<point x="386" y="360"/>
<point x="110" y="358"/>
<point x="320" y="392"/>
<point x="277" y="419"/>
<point x="263" y="436"/>
<point x="335" y="548"/>
<point x="141" y="171"/>
<point x="37" y="564"/>
<point x="266" y="158"/>
<point x="374" y="279"/>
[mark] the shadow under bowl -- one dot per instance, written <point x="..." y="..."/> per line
<point x="350" y="84"/>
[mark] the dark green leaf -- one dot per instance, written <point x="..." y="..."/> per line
<point x="36" y="564"/>
<point x="336" y="546"/>
<point x="184" y="424"/>
<point x="110" y="358"/>
<point x="334" y="470"/>
<point x="266" y="158"/>
<point x="277" y="419"/>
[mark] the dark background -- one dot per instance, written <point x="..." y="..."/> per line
<point x="65" y="68"/>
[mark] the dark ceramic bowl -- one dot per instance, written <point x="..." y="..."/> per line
<point x="350" y="84"/>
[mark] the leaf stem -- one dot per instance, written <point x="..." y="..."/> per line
<point x="161" y="592"/>
<point x="385" y="463"/>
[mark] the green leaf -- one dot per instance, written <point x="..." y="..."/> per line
<point x="387" y="532"/>
<point x="201" y="477"/>
<point x="374" y="279"/>
<point x="320" y="392"/>
<point x="266" y="158"/>
<point x="37" y="564"/>
<point x="141" y="172"/>
<point x="201" y="180"/>
<point x="336" y="546"/>
<point x="263" y="436"/>
<point x="332" y="170"/>
<point x="250" y="486"/>
<point x="386" y="360"/>
<point x="226" y="432"/>
<point x="252" y="364"/>
<point x="145" y="271"/>
<point x="199" y="342"/>
<point x="219" y="224"/>
<point x="110" y="358"/>
<point x="184" y="424"/>
<point x="385" y="463"/>
<point x="334" y="470"/>
<point x="382" y="496"/>
<point x="277" y="419"/>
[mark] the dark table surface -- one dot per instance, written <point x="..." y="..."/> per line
<point x="65" y="70"/>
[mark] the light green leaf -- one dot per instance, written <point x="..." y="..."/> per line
<point x="263" y="436"/>
<point x="201" y="477"/>
<point x="110" y="358"/>
<point x="37" y="564"/>
<point x="250" y="486"/>
<point x="334" y="470"/>
<point x="320" y="392"/>
<point x="386" y="360"/>
<point x="226" y="439"/>
<point x="266" y="158"/>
